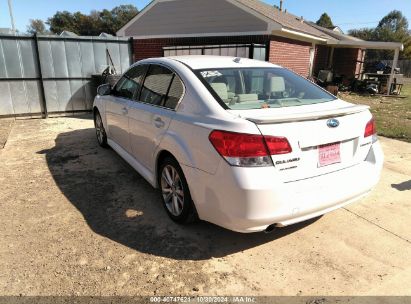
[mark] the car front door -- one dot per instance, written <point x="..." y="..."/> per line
<point x="117" y="110"/>
<point x="152" y="111"/>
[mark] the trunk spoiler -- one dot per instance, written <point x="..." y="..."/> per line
<point x="308" y="116"/>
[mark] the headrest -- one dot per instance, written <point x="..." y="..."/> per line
<point x="221" y="89"/>
<point x="277" y="84"/>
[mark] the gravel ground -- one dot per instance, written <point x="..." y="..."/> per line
<point x="5" y="126"/>
<point x="77" y="220"/>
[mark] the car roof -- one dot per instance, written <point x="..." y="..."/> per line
<point x="197" y="62"/>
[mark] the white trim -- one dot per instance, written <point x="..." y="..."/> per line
<point x="304" y="35"/>
<point x="203" y="34"/>
<point x="378" y="45"/>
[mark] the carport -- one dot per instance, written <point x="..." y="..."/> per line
<point x="348" y="46"/>
<point x="371" y="45"/>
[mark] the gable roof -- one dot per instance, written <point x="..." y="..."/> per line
<point x="195" y="18"/>
<point x="186" y="18"/>
<point x="242" y="14"/>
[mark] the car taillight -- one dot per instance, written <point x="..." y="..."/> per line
<point x="248" y="150"/>
<point x="277" y="145"/>
<point x="370" y="128"/>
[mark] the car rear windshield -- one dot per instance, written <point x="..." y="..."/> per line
<point x="256" y="88"/>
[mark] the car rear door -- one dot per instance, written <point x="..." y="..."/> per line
<point x="151" y="112"/>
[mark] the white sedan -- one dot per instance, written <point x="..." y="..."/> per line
<point x="244" y="144"/>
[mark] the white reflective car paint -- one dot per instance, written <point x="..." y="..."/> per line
<point x="246" y="199"/>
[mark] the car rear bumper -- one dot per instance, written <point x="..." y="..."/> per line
<point x="251" y="199"/>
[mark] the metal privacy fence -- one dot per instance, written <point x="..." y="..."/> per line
<point x="404" y="65"/>
<point x="41" y="75"/>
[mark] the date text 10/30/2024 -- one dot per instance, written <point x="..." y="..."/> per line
<point x="200" y="299"/>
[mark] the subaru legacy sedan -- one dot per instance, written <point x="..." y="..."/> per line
<point x="240" y="143"/>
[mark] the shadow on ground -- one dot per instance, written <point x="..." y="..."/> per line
<point x="119" y="204"/>
<point x="404" y="186"/>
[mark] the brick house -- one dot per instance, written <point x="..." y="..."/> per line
<point x="245" y="28"/>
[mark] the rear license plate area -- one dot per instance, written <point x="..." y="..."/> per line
<point x="329" y="154"/>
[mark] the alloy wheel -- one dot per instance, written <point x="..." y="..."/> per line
<point x="99" y="129"/>
<point x="172" y="190"/>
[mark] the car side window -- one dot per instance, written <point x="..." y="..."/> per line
<point x="156" y="85"/>
<point x="175" y="92"/>
<point x="130" y="84"/>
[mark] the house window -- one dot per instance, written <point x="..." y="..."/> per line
<point x="252" y="51"/>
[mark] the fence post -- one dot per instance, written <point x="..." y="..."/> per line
<point x="43" y="103"/>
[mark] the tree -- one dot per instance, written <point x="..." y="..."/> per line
<point x="367" y="34"/>
<point x="394" y="22"/>
<point x="325" y="21"/>
<point x="37" y="26"/>
<point x="62" y="21"/>
<point x="108" y="21"/>
<point x="392" y="28"/>
<point x="123" y="14"/>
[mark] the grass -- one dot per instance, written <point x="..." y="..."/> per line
<point x="393" y="115"/>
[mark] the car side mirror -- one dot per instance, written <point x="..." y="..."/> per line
<point x="104" y="89"/>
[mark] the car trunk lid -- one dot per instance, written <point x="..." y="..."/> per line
<point x="317" y="147"/>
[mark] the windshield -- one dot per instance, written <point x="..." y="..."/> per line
<point x="256" y="88"/>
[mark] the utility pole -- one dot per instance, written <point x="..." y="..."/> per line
<point x="13" y="27"/>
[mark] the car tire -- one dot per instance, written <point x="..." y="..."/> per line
<point x="100" y="131"/>
<point x="175" y="193"/>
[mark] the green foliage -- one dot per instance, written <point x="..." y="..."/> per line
<point x="392" y="28"/>
<point x="37" y="26"/>
<point x="108" y="21"/>
<point x="363" y="33"/>
<point x="325" y="21"/>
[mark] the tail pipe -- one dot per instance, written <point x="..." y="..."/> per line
<point x="269" y="229"/>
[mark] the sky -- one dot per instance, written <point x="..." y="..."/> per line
<point x="347" y="14"/>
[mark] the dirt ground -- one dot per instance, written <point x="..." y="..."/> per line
<point x="5" y="127"/>
<point x="77" y="220"/>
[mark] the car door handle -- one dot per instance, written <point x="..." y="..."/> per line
<point x="124" y="111"/>
<point x="158" y="122"/>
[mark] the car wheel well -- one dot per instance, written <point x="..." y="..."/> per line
<point x="160" y="158"/>
<point x="95" y="111"/>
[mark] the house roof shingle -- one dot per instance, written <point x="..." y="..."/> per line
<point x="286" y="19"/>
<point x="334" y="34"/>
